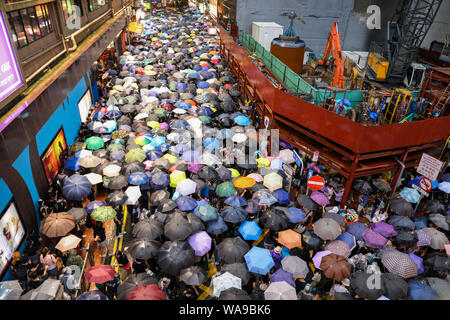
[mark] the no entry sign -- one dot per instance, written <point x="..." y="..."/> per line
<point x="426" y="184"/>
<point x="316" y="183"/>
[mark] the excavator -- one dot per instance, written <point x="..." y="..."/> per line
<point x="334" y="45"/>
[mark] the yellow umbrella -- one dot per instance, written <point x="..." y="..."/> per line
<point x="170" y="157"/>
<point x="153" y="124"/>
<point x="263" y="162"/>
<point x="142" y="141"/>
<point x="177" y="176"/>
<point x="244" y="182"/>
<point x="234" y="172"/>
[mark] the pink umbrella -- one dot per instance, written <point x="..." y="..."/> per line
<point x="317" y="259"/>
<point x="164" y="125"/>
<point x="319" y="198"/>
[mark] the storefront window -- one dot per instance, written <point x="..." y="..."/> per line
<point x="96" y="4"/>
<point x="67" y="7"/>
<point x="29" y="24"/>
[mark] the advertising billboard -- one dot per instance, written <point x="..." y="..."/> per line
<point x="10" y="74"/>
<point x="52" y="157"/>
<point x="11" y="235"/>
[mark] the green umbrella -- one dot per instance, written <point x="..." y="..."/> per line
<point x="225" y="189"/>
<point x="115" y="147"/>
<point x="103" y="214"/>
<point x="94" y="143"/>
<point x="205" y="119"/>
<point x="206" y="212"/>
<point x="257" y="186"/>
<point x="136" y="154"/>
<point x="160" y="112"/>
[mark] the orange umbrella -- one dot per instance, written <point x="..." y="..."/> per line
<point x="192" y="102"/>
<point x="335" y="267"/>
<point x="290" y="238"/>
<point x="244" y="182"/>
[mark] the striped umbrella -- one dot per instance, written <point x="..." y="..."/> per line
<point x="338" y="247"/>
<point x="424" y="239"/>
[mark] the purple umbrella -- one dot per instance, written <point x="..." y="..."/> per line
<point x="419" y="261"/>
<point x="319" y="198"/>
<point x="385" y="229"/>
<point x="200" y="242"/>
<point x="374" y="239"/>
<point x="424" y="239"/>
<point x="317" y="259"/>
<point x="125" y="127"/>
<point x="282" y="275"/>
<point x="285" y="144"/>
<point x="194" y="166"/>
<point x="164" y="125"/>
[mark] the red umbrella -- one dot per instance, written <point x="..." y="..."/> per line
<point x="146" y="292"/>
<point x="100" y="273"/>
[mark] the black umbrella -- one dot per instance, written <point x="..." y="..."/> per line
<point x="274" y="219"/>
<point x="131" y="167"/>
<point x="401" y="223"/>
<point x="336" y="217"/>
<point x="248" y="165"/>
<point x="132" y="282"/>
<point x="363" y="187"/>
<point x="239" y="270"/>
<point x="159" y="216"/>
<point x="158" y="196"/>
<point x="193" y="276"/>
<point x="174" y="256"/>
<point x="232" y="250"/>
<point x="101" y="153"/>
<point x="196" y="223"/>
<point x="148" y="229"/>
<point x="177" y="227"/>
<point x="118" y="183"/>
<point x="405" y="238"/>
<point x="208" y="173"/>
<point x="401" y="207"/>
<point x="234" y="294"/>
<point x="142" y="248"/>
<point x="435" y="206"/>
<point x="77" y="213"/>
<point x="361" y="285"/>
<point x="233" y="214"/>
<point x="306" y="202"/>
<point x="224" y="173"/>
<point x="438" y="263"/>
<point x="166" y="205"/>
<point x="395" y="287"/>
<point x="311" y="241"/>
<point x="117" y="198"/>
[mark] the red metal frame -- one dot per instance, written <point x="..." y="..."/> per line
<point x="353" y="150"/>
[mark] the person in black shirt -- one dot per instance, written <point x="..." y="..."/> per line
<point x="139" y="266"/>
<point x="36" y="278"/>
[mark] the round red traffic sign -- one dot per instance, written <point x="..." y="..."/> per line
<point x="316" y="183"/>
<point x="425" y="184"/>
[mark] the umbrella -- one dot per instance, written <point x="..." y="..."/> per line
<point x="239" y="270"/>
<point x="306" y="202"/>
<point x="177" y="176"/>
<point x="401" y="223"/>
<point x="349" y="239"/>
<point x="118" y="182"/>
<point x="255" y="176"/>
<point x="91" y="206"/>
<point x="439" y="220"/>
<point x="193" y="276"/>
<point x="57" y="224"/>
<point x="408" y="239"/>
<point x="158" y="196"/>
<point x="103" y="213"/>
<point x="401" y="207"/>
<point x="410" y="195"/>
<point x="178" y="227"/>
<point x="438" y="238"/>
<point x="282" y="196"/>
<point x="441" y="287"/>
<point x="363" y="187"/>
<point x="225" y="189"/>
<point x="76" y="187"/>
<point x="206" y="212"/>
<point x="207" y="173"/>
<point x="363" y="285"/>
<point x="398" y="263"/>
<point x="94" y="143"/>
<point x="185" y="203"/>
<point x="173" y="256"/>
<point x="111" y="170"/>
<point x="273" y="181"/>
<point x="280" y="291"/>
<point x="186" y="186"/>
<point x="67" y="243"/>
<point x="136" y="154"/>
<point x="419" y="261"/>
<point x="444" y="186"/>
<point x="132" y="282"/>
<point x="159" y="180"/>
<point x="72" y="164"/>
<point x="295" y="215"/>
<point x="435" y="206"/>
<point x="338" y="247"/>
<point x="225" y="281"/>
<point x="317" y="259"/>
<point x="250" y="230"/>
<point x="438" y="263"/>
<point x="290" y="238"/>
<point x="336" y="217"/>
<point x="419" y="290"/>
<point x="311" y="241"/>
<point x="245" y="182"/>
<point x="382" y="185"/>
<point x="319" y="198"/>
<point x="10" y="290"/>
<point x="374" y="239"/>
<point x="234" y="294"/>
<point x="293" y="264"/>
<point x="200" y="242"/>
<point x="142" y="248"/>
<point x="385" y="229"/>
<point x="236" y="201"/>
<point x="242" y="120"/>
<point x="77" y="213"/>
<point x="423" y="238"/>
<point x="357" y="229"/>
<point x="274" y="220"/>
<point x="264" y="197"/>
<point x="148" y="229"/>
<point x="224" y="173"/>
<point x="100" y="273"/>
<point x="91" y="295"/>
<point x="138" y="178"/>
<point x="335" y="267"/>
<point x="232" y="250"/>
<point x="282" y="275"/>
<point x="233" y="214"/>
<point x="327" y="229"/>
<point x="146" y="292"/>
<point x="259" y="260"/>
<point x="117" y="198"/>
<point x="94" y="178"/>
<point x="217" y="226"/>
<point x="89" y="161"/>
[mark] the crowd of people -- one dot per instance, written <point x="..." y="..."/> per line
<point x="231" y="225"/>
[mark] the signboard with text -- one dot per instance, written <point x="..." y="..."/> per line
<point x="429" y="167"/>
<point x="135" y="27"/>
<point x="10" y="74"/>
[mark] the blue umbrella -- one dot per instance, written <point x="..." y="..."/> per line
<point x="157" y="141"/>
<point x="277" y="164"/>
<point x="419" y="291"/>
<point x="205" y="111"/>
<point x="206" y="212"/>
<point x="97" y="115"/>
<point x="72" y="164"/>
<point x="421" y="222"/>
<point x="357" y="229"/>
<point x="410" y="195"/>
<point x="444" y="186"/>
<point x="185" y="203"/>
<point x="415" y="181"/>
<point x="242" y="120"/>
<point x="179" y="124"/>
<point x="110" y="126"/>
<point x="419" y="261"/>
<point x="250" y="230"/>
<point x="217" y="226"/>
<point x="236" y="201"/>
<point x="181" y="148"/>
<point x="202" y="84"/>
<point x="159" y="180"/>
<point x="211" y="143"/>
<point x="163" y="147"/>
<point x="76" y="187"/>
<point x="296" y="215"/>
<point x="138" y="178"/>
<point x="91" y="206"/>
<point x="154" y="154"/>
<point x="282" y="275"/>
<point x="233" y="214"/>
<point x="112" y="114"/>
<point x="91" y="295"/>
<point x="259" y="260"/>
<point x="348" y="238"/>
<point x="190" y="156"/>
<point x="282" y="196"/>
<point x="183" y="105"/>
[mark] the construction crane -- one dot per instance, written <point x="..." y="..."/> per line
<point x="334" y="45"/>
<point x="405" y="34"/>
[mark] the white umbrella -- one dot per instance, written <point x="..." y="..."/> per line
<point x="239" y="138"/>
<point x="280" y="290"/>
<point x="209" y="159"/>
<point x="148" y="147"/>
<point x="444" y="186"/>
<point x="85" y="153"/>
<point x="179" y="111"/>
<point x="256" y="176"/>
<point x="141" y="116"/>
<point x="195" y="122"/>
<point x="89" y="161"/>
<point x="111" y="170"/>
<point x="133" y="193"/>
<point x="172" y="136"/>
<point x="273" y="181"/>
<point x="186" y="187"/>
<point x="224" y="282"/>
<point x="287" y="155"/>
<point x="94" y="178"/>
<point x="68" y="242"/>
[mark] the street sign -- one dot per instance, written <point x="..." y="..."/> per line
<point x="316" y="183"/>
<point x="429" y="167"/>
<point x="289" y="174"/>
<point x="135" y="27"/>
<point x="426" y="184"/>
<point x="296" y="157"/>
<point x="423" y="192"/>
<point x="315" y="156"/>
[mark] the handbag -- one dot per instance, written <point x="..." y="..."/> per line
<point x="127" y="266"/>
